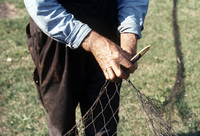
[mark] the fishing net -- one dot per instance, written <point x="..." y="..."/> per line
<point x="138" y="115"/>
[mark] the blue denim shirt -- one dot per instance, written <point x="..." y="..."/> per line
<point x="70" y="31"/>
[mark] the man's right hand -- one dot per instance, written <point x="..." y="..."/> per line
<point x="111" y="58"/>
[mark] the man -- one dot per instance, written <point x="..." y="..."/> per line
<point x="74" y="45"/>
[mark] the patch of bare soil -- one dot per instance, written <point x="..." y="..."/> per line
<point x="8" y="11"/>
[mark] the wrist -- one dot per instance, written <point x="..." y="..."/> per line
<point x="129" y="43"/>
<point x="89" y="41"/>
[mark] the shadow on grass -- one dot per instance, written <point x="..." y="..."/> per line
<point x="190" y="134"/>
<point x="176" y="98"/>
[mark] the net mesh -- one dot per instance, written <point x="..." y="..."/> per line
<point x="138" y="115"/>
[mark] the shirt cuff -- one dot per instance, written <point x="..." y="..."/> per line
<point x="78" y="34"/>
<point x="131" y="28"/>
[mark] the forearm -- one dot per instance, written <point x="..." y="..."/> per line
<point x="128" y="42"/>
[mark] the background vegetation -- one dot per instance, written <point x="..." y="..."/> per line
<point x="21" y="112"/>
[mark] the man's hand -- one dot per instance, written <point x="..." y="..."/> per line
<point x="113" y="60"/>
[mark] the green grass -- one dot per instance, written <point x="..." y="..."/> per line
<point x="21" y="112"/>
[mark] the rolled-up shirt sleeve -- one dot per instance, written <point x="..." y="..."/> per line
<point x="54" y="21"/>
<point x="131" y="15"/>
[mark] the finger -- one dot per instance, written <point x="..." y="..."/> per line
<point x="135" y="67"/>
<point x="119" y="72"/>
<point x="106" y="74"/>
<point x="112" y="75"/>
<point x="128" y="65"/>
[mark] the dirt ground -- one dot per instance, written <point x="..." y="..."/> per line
<point x="8" y="11"/>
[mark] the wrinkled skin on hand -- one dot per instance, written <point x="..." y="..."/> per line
<point x="113" y="59"/>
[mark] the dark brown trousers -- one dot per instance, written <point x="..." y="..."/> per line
<point x="64" y="78"/>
